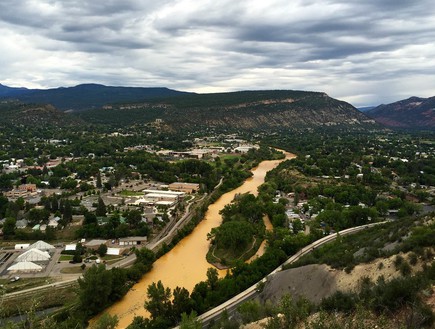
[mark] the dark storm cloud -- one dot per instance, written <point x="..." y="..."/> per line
<point x="330" y="45"/>
<point x="79" y="23"/>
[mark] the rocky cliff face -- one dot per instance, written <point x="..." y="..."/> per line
<point x="253" y="110"/>
<point x="413" y="112"/>
<point x="247" y="110"/>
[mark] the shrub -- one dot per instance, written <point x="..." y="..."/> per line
<point x="398" y="261"/>
<point x="405" y="268"/>
<point x="413" y="258"/>
<point x="339" y="301"/>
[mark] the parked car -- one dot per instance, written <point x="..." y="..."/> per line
<point x="14" y="279"/>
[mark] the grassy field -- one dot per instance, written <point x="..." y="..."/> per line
<point x="65" y="258"/>
<point x="127" y="193"/>
<point x="229" y="156"/>
<point x="23" y="283"/>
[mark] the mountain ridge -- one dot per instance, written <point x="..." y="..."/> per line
<point x="86" y="96"/>
<point x="242" y="110"/>
<point x="259" y="110"/>
<point x="413" y="112"/>
<point x="6" y="91"/>
<point x="15" y="113"/>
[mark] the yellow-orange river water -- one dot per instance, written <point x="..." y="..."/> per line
<point x="185" y="265"/>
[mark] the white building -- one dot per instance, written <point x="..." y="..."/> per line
<point x="33" y="255"/>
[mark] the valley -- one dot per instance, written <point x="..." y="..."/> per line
<point x="140" y="200"/>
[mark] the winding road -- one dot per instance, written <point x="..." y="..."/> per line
<point x="231" y="304"/>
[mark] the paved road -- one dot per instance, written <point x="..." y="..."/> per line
<point x="231" y="304"/>
<point x="167" y="232"/>
<point x="128" y="261"/>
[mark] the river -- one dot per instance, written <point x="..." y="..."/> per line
<point x="185" y="265"/>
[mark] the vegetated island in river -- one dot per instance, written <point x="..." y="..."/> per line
<point x="186" y="264"/>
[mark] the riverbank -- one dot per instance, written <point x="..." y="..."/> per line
<point x="186" y="264"/>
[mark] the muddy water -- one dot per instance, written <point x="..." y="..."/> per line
<point x="185" y="265"/>
<point x="262" y="248"/>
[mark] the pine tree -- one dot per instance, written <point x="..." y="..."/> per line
<point x="99" y="185"/>
<point x="101" y="208"/>
<point x="67" y="211"/>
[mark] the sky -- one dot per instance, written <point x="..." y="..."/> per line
<point x="364" y="52"/>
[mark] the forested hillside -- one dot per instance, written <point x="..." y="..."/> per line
<point x="249" y="110"/>
<point x="414" y="112"/>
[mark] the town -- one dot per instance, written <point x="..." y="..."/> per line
<point x="108" y="198"/>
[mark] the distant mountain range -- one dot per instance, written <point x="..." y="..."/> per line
<point x="365" y="108"/>
<point x="86" y="96"/>
<point x="414" y="113"/>
<point x="7" y="92"/>
<point x="236" y="111"/>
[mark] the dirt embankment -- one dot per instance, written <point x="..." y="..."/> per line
<point x="316" y="282"/>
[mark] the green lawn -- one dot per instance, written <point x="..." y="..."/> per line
<point x="229" y="156"/>
<point x="130" y="193"/>
<point x="65" y="258"/>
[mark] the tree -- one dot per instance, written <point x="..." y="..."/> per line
<point x="77" y="258"/>
<point x="12" y="209"/>
<point x="106" y="321"/>
<point x="233" y="235"/>
<point x="212" y="277"/>
<point x="90" y="218"/>
<point x="67" y="211"/>
<point x="54" y="181"/>
<point x="94" y="289"/>
<point x="102" y="250"/>
<point x="297" y="226"/>
<point x="5" y="181"/>
<point x="181" y="303"/>
<point x="382" y="207"/>
<point x="101" y="208"/>
<point x="139" y="322"/>
<point x="3" y="205"/>
<point x="250" y="311"/>
<point x="134" y="217"/>
<point x="35" y="216"/>
<point x="54" y="204"/>
<point x="292" y="312"/>
<point x="98" y="184"/>
<point x="9" y="227"/>
<point x="119" y="283"/>
<point x="190" y="321"/>
<point x="159" y="300"/>
<point x="145" y="257"/>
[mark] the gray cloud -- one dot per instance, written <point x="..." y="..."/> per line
<point x="365" y="52"/>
